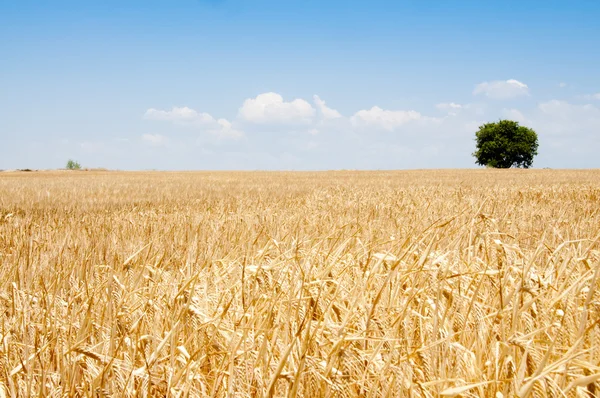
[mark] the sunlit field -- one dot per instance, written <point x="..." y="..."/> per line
<point x="474" y="283"/>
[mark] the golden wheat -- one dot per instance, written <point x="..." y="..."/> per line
<point x="423" y="283"/>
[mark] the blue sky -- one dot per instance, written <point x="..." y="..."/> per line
<point x="224" y="84"/>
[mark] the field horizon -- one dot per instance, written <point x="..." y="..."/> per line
<point x="474" y="169"/>
<point x="408" y="283"/>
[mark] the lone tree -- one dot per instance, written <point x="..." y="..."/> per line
<point x="505" y="144"/>
<point x="73" y="165"/>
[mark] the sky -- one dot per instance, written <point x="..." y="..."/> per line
<point x="293" y="85"/>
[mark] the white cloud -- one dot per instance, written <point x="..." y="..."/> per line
<point x="516" y="115"/>
<point x="448" y="106"/>
<point x="154" y="139"/>
<point x="562" y="84"/>
<point x="313" y="131"/>
<point x="327" y="112"/>
<point x="385" y="119"/>
<point x="451" y="108"/>
<point x="271" y="108"/>
<point x="221" y="128"/>
<point x="182" y="115"/>
<point x="501" y="89"/>
<point x="225" y="129"/>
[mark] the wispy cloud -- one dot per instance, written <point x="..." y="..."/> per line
<point x="502" y="89"/>
<point x="182" y="115"/>
<point x="154" y="139"/>
<point x="225" y="129"/>
<point x="325" y="111"/>
<point x="449" y="106"/>
<point x="591" y="96"/>
<point x="270" y="108"/>
<point x="385" y="119"/>
<point x="221" y="128"/>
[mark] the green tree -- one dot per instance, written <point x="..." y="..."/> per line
<point x="73" y="165"/>
<point x="505" y="144"/>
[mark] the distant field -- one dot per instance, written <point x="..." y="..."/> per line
<point x="480" y="283"/>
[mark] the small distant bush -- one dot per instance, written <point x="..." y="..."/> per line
<point x="73" y="165"/>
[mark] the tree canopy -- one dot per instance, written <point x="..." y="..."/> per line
<point x="73" y="165"/>
<point x="505" y="144"/>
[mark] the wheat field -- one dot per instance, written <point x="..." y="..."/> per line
<point x="473" y="283"/>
